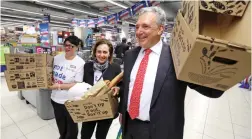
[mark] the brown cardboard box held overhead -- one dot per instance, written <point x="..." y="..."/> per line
<point x="92" y="109"/>
<point x="27" y="61"/>
<point x="29" y="79"/>
<point x="214" y="50"/>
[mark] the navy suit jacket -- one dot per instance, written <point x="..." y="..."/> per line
<point x="167" y="105"/>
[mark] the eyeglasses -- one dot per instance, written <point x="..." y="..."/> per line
<point x="68" y="45"/>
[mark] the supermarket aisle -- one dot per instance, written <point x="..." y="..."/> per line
<point x="225" y="118"/>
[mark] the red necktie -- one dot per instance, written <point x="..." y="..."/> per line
<point x="138" y="86"/>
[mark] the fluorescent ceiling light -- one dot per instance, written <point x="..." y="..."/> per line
<point x="59" y="26"/>
<point x="12" y="20"/>
<point x="25" y="22"/>
<point x="13" y="24"/>
<point x="33" y="18"/>
<point x="52" y="21"/>
<point x="64" y="7"/>
<point x="3" y="23"/>
<point x="33" y="12"/>
<point x="115" y="3"/>
<point x="20" y="17"/>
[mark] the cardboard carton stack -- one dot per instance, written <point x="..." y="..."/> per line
<point x="28" y="71"/>
<point x="98" y="103"/>
<point x="210" y="43"/>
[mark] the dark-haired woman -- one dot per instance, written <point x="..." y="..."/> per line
<point x="101" y="68"/>
<point x="68" y="69"/>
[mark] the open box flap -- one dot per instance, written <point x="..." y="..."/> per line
<point x="190" y="12"/>
<point x="224" y="42"/>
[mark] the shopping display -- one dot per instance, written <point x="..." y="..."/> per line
<point x="96" y="104"/>
<point x="210" y="48"/>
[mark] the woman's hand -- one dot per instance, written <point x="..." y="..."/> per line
<point x="115" y="91"/>
<point x="54" y="86"/>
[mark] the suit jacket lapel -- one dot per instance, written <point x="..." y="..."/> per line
<point x="163" y="68"/>
<point x="128" y="65"/>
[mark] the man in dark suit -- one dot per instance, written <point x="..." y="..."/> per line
<point x="121" y="48"/>
<point x="152" y="102"/>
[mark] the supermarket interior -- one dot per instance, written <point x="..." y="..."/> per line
<point x="53" y="50"/>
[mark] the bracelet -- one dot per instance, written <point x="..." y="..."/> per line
<point x="59" y="87"/>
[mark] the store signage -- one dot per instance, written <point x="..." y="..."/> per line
<point x="44" y="34"/>
<point x="83" y="23"/>
<point x="101" y="21"/>
<point x="46" y="18"/>
<point x="91" y="23"/>
<point x="112" y="19"/>
<point x="75" y="22"/>
<point x="136" y="8"/>
<point x="125" y="14"/>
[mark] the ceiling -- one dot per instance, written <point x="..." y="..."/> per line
<point x="15" y="13"/>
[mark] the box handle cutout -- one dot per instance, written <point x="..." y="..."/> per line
<point x="237" y="48"/>
<point x="224" y="60"/>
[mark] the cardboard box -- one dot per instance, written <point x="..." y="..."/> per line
<point x="234" y="8"/>
<point x="29" y="79"/>
<point x="92" y="109"/>
<point x="28" y="61"/>
<point x="214" y="50"/>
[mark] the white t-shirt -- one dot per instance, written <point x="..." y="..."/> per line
<point x="66" y="71"/>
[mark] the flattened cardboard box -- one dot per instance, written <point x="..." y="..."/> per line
<point x="29" y="79"/>
<point x="207" y="55"/>
<point x="92" y="109"/>
<point x="27" y="61"/>
<point x="230" y="7"/>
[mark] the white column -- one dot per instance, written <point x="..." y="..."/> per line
<point x="125" y="31"/>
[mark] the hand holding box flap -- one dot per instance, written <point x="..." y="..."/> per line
<point x="214" y="59"/>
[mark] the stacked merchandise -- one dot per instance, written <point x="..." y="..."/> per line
<point x="28" y="71"/>
<point x="210" y="43"/>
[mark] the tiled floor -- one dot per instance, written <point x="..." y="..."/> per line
<point x="225" y="118"/>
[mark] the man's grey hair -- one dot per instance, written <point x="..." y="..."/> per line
<point x="160" y="14"/>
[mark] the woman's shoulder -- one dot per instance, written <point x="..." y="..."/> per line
<point x="59" y="56"/>
<point x="88" y="64"/>
<point x="79" y="60"/>
<point x="115" y="66"/>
